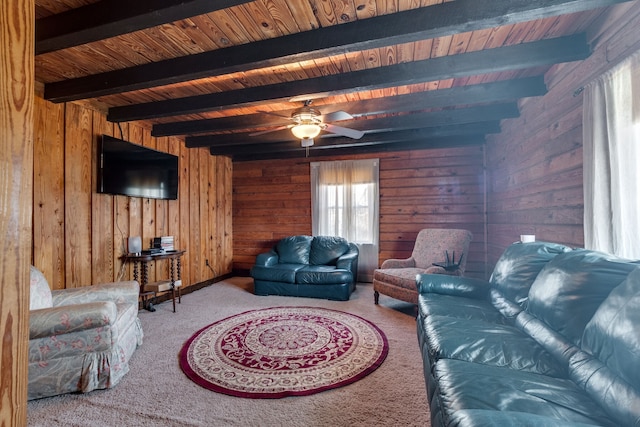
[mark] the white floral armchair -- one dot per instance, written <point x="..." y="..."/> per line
<point x="80" y="339"/>
<point x="397" y="277"/>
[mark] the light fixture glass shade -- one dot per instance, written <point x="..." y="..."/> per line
<point x="306" y="142"/>
<point x="303" y="131"/>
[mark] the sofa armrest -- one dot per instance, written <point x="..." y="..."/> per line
<point x="453" y="285"/>
<point x="71" y="318"/>
<point x="267" y="259"/>
<point x="349" y="260"/>
<point x="399" y="263"/>
<point x="117" y="292"/>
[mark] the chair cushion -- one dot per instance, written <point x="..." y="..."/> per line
<point x="294" y="249"/>
<point x="401" y="277"/>
<point x="40" y="293"/>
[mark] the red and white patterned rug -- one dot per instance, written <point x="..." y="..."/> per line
<point x="283" y="351"/>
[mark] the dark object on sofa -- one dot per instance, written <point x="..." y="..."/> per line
<point x="551" y="339"/>
<point x="306" y="266"/>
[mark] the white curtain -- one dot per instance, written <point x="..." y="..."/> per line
<point x="344" y="199"/>
<point x="611" y="136"/>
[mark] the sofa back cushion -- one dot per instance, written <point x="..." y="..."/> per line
<point x="518" y="267"/>
<point x="607" y="368"/>
<point x="325" y="250"/>
<point x="294" y="249"/>
<point x="612" y="333"/>
<point x="569" y="289"/>
<point x="40" y="293"/>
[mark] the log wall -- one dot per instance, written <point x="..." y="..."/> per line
<point x="535" y="182"/>
<point x="80" y="235"/>
<point x="437" y="188"/>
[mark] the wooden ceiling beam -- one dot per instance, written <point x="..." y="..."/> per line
<point x="298" y="152"/>
<point x="522" y="56"/>
<point x="461" y="95"/>
<point x="374" y="126"/>
<point x="386" y="30"/>
<point x="479" y="128"/>
<point x="110" y="18"/>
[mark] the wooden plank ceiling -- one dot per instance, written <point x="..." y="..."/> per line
<point x="411" y="73"/>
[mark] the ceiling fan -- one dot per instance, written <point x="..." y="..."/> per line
<point x="309" y="122"/>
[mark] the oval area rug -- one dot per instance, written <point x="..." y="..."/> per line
<point x="283" y="351"/>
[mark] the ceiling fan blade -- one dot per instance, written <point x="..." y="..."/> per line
<point x="309" y="97"/>
<point x="339" y="130"/>
<point x="336" y="116"/>
<point x="262" y="132"/>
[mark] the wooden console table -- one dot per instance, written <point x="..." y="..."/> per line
<point x="140" y="265"/>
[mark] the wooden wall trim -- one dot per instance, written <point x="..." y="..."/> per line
<point x="16" y="166"/>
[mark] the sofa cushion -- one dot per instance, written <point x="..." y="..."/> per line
<point x="40" y="293"/>
<point x="607" y="368"/>
<point x="276" y="273"/>
<point x="325" y="250"/>
<point x="432" y="304"/>
<point x="294" y="249"/>
<point x="518" y="267"/>
<point x="569" y="289"/>
<point x="323" y="275"/>
<point x="464" y="386"/>
<point x="612" y="333"/>
<point x="487" y="343"/>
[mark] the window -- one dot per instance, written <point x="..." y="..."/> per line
<point x="361" y="210"/>
<point x="345" y="203"/>
<point x="611" y="135"/>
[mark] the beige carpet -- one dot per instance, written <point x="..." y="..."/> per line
<point x="157" y="393"/>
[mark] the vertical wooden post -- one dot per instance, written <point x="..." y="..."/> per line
<point x="16" y="182"/>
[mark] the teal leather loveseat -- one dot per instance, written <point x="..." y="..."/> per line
<point x="308" y="266"/>
<point x="553" y="338"/>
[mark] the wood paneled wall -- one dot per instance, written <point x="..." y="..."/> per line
<point x="80" y="235"/>
<point x="16" y="148"/>
<point x="535" y="182"/>
<point x="438" y="188"/>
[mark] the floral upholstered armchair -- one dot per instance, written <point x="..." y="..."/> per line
<point x="397" y="277"/>
<point x="80" y="339"/>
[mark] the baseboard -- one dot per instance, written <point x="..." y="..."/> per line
<point x="195" y="287"/>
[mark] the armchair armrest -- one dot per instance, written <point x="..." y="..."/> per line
<point x="453" y="285"/>
<point x="399" y="263"/>
<point x="67" y="319"/>
<point x="117" y="292"/>
<point x="267" y="259"/>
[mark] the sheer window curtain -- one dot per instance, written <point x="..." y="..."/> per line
<point x="611" y="136"/>
<point x="344" y="202"/>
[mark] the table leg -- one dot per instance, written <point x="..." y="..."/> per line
<point x="173" y="283"/>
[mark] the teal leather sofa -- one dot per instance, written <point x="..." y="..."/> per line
<point x="552" y="339"/>
<point x="308" y="266"/>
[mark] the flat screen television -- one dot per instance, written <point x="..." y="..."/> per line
<point x="133" y="170"/>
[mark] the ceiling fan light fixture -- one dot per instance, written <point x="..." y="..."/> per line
<point x="306" y="142"/>
<point x="306" y="131"/>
